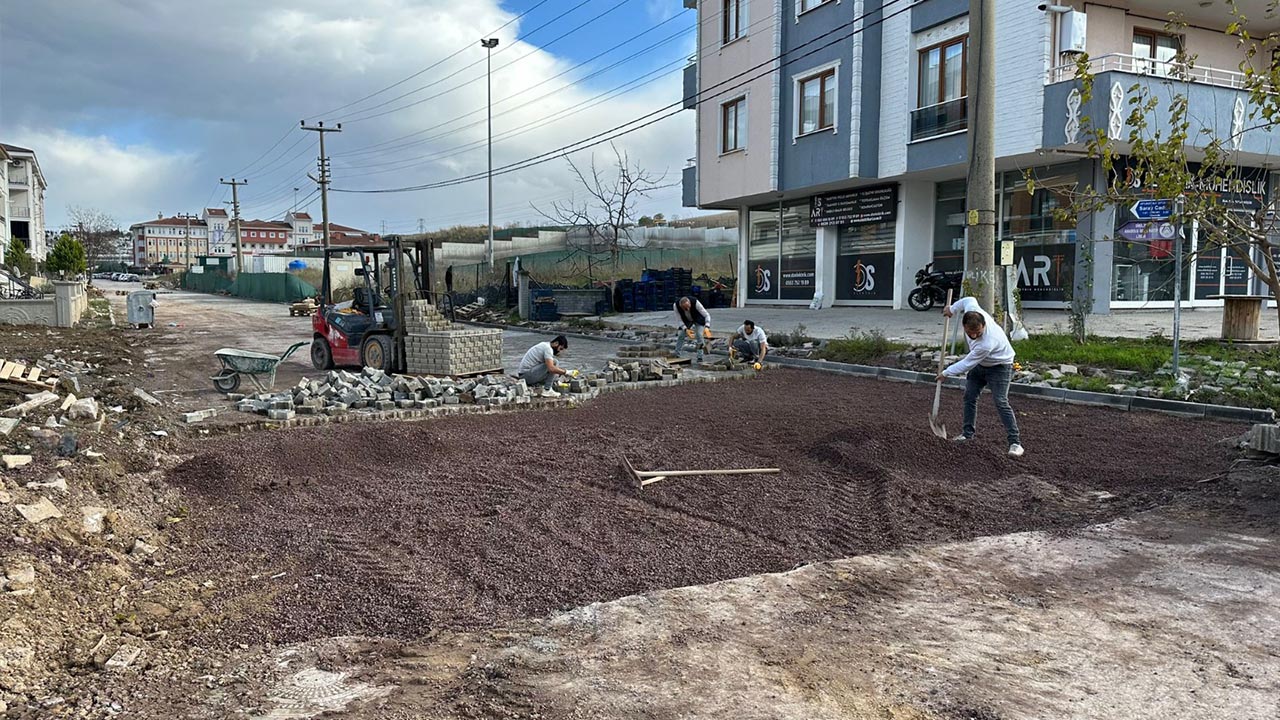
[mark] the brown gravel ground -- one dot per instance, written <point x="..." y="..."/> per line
<point x="400" y="529"/>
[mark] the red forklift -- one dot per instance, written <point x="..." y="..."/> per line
<point x="366" y="331"/>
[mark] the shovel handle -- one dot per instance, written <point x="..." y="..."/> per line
<point x="683" y="473"/>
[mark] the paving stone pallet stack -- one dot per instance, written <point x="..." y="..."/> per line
<point x="435" y="346"/>
<point x="373" y="391"/>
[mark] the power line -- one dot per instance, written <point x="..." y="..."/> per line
<point x="349" y="119"/>
<point x="434" y="65"/>
<point x="625" y="128"/>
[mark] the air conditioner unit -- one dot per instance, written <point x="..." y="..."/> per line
<point x="1072" y="26"/>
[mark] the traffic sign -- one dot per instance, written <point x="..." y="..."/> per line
<point x="1144" y="231"/>
<point x="1152" y="209"/>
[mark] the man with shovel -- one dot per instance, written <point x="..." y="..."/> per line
<point x="989" y="365"/>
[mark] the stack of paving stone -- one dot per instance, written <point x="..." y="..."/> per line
<point x="641" y="371"/>
<point x="644" y="351"/>
<point x="435" y="346"/>
<point x="375" y="391"/>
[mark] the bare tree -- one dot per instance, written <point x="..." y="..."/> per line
<point x="609" y="208"/>
<point x="97" y="231"/>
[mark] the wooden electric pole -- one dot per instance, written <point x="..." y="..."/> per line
<point x="980" y="270"/>
<point x="323" y="180"/>
<point x="235" y="216"/>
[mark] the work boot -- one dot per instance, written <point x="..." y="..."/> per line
<point x="1015" y="450"/>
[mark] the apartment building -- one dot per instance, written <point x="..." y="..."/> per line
<point x="838" y="130"/>
<point x="23" y="208"/>
<point x="4" y="203"/>
<point x="178" y="240"/>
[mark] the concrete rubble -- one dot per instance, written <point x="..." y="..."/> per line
<point x="13" y="462"/>
<point x="370" y="390"/>
<point x="1263" y="439"/>
<point x="38" y="511"/>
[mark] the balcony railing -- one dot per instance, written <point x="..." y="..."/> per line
<point x="19" y="181"/>
<point x="940" y="118"/>
<point x="1134" y="65"/>
<point x="19" y="212"/>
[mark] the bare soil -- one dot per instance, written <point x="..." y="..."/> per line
<point x="403" y="529"/>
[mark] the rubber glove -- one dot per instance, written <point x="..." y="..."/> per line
<point x="758" y="366"/>
<point x="689" y="332"/>
<point x="706" y="333"/>
<point x="574" y="373"/>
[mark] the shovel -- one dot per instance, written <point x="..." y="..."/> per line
<point x="938" y="428"/>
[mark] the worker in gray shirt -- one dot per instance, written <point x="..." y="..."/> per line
<point x="750" y="344"/>
<point x="538" y="366"/>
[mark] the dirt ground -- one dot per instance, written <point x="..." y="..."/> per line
<point x="500" y="567"/>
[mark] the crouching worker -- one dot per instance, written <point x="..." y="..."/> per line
<point x="539" y="365"/>
<point x="750" y="344"/>
<point x="695" y="325"/>
<point x="989" y="365"/>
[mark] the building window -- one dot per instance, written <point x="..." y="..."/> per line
<point x="273" y="234"/>
<point x="731" y="21"/>
<point x="1154" y="52"/>
<point x="816" y="95"/>
<point x="807" y="5"/>
<point x="733" y="125"/>
<point x="942" y="102"/>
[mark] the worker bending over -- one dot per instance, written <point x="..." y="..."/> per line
<point x="539" y="365"/>
<point x="696" y="322"/>
<point x="750" y="344"/>
<point x="989" y="364"/>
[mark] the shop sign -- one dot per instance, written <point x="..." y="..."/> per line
<point x="865" y="277"/>
<point x="1045" y="272"/>
<point x="862" y="206"/>
<point x="1146" y="231"/>
<point x="799" y="279"/>
<point x="1237" y="188"/>
<point x="764" y="280"/>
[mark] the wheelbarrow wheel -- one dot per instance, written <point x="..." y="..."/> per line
<point x="227" y="383"/>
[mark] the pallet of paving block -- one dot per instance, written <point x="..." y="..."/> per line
<point x="30" y="376"/>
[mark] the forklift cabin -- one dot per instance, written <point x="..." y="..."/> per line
<point x="367" y="331"/>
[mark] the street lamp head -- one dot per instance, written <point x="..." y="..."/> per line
<point x="489" y="43"/>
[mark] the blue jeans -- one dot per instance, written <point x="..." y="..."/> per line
<point x="748" y="350"/>
<point x="997" y="378"/>
<point x="682" y="337"/>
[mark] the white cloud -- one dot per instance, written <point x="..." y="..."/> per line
<point x="129" y="182"/>
<point x="224" y="81"/>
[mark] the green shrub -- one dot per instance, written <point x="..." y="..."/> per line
<point x="867" y="348"/>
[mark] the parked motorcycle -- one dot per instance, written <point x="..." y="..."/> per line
<point x="931" y="287"/>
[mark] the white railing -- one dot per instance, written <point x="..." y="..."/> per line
<point x="1134" y="65"/>
<point x="19" y="181"/>
<point x="19" y="212"/>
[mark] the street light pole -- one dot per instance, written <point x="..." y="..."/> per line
<point x="489" y="44"/>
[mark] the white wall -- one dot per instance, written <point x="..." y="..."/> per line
<point x="896" y="92"/>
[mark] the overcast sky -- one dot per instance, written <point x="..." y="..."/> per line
<point x="137" y="107"/>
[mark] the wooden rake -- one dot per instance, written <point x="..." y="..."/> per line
<point x="648" y="477"/>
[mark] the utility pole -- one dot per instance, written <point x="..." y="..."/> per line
<point x="324" y="179"/>
<point x="235" y="216"/>
<point x="489" y="44"/>
<point x="422" y="226"/>
<point x="980" y="271"/>
<point x="295" y="200"/>
<point x="186" y="240"/>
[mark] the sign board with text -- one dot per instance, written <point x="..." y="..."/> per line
<point x="1152" y="209"/>
<point x="861" y="206"/>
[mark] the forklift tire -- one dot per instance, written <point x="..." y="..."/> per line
<point x="375" y="352"/>
<point x="321" y="355"/>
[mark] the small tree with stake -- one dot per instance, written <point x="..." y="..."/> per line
<point x="67" y="256"/>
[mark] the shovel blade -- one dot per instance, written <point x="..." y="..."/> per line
<point x="938" y="428"/>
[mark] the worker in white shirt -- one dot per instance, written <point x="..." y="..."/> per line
<point x="695" y="325"/>
<point x="989" y="364"/>
<point x="750" y="344"/>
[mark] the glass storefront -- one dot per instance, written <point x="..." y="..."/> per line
<point x="1144" y="258"/>
<point x="782" y="252"/>
<point x="864" y="267"/>
<point x="948" y="226"/>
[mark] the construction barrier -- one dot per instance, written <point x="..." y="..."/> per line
<point x="271" y="287"/>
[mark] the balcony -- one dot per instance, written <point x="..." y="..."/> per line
<point x="1217" y="105"/>
<point x="20" y="181"/>
<point x="691" y="84"/>
<point x="19" y="212"/>
<point x="940" y="119"/>
<point x="689" y="184"/>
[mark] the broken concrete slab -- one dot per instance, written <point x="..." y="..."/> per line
<point x="58" y="483"/>
<point x="13" y="462"/>
<point x="7" y="425"/>
<point x="20" y="578"/>
<point x="95" y="519"/>
<point x="36" y="401"/>
<point x="199" y="415"/>
<point x="67" y="402"/>
<point x="38" y="511"/>
<point x="145" y="396"/>
<point x="142" y="547"/>
<point x="83" y="410"/>
<point x="124" y="656"/>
